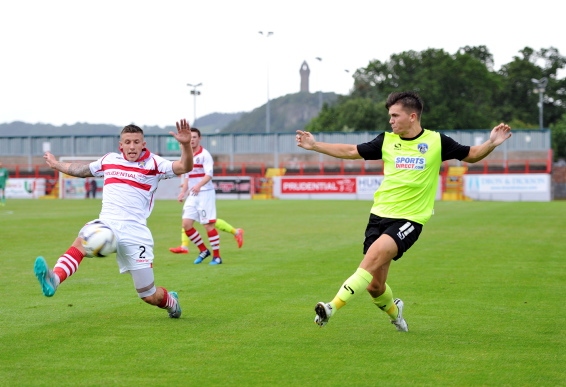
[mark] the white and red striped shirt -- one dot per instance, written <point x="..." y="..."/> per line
<point x="129" y="185"/>
<point x="203" y="164"/>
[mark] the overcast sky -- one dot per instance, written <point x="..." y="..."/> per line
<point x="123" y="61"/>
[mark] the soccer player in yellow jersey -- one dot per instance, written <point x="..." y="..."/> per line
<point x="404" y="201"/>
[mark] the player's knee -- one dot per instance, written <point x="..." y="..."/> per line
<point x="78" y="244"/>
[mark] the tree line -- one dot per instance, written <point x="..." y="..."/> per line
<point x="460" y="91"/>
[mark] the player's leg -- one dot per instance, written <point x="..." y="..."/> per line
<point x="2" y="196"/>
<point x="402" y="233"/>
<point x="223" y="225"/>
<point x="66" y="265"/>
<point x="158" y="296"/>
<point x="207" y="206"/>
<point x="135" y="256"/>
<point x="354" y="285"/>
<point x="393" y="308"/>
<point x="184" y="239"/>
<point x="214" y="240"/>
<point x="191" y="214"/>
<point x="238" y="233"/>
<point x="184" y="248"/>
<point x="195" y="237"/>
<point x="382" y="295"/>
<point x="378" y="251"/>
<point x="385" y="249"/>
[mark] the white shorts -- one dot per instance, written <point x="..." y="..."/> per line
<point x="201" y="208"/>
<point x="135" y="245"/>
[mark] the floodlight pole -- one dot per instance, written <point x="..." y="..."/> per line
<point x="540" y="88"/>
<point x="318" y="58"/>
<point x="194" y="92"/>
<point x="267" y="107"/>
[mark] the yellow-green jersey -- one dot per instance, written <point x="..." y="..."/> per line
<point x="411" y="170"/>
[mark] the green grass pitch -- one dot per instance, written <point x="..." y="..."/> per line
<point x="484" y="290"/>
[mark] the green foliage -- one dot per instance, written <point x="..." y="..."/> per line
<point x="477" y="313"/>
<point x="479" y="52"/>
<point x="461" y="90"/>
<point x="518" y="125"/>
<point x="517" y="98"/>
<point x="457" y="89"/>
<point x="558" y="138"/>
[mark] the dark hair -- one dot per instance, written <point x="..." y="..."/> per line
<point x="196" y="131"/>
<point x="131" y="129"/>
<point x="408" y="99"/>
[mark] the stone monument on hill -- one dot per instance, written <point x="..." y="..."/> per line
<point x="305" y="72"/>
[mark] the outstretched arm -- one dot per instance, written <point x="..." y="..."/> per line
<point x="498" y="135"/>
<point x="183" y="135"/>
<point x="306" y="141"/>
<point x="71" y="169"/>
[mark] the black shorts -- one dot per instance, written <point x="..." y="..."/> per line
<point x="404" y="232"/>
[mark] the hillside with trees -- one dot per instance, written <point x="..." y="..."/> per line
<point x="287" y="114"/>
<point x="216" y="122"/>
<point x="461" y="91"/>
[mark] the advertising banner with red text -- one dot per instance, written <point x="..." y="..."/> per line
<point x="315" y="187"/>
<point x="329" y="187"/>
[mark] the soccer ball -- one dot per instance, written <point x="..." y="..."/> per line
<point x="98" y="239"/>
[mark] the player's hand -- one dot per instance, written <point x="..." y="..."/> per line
<point x="499" y="134"/>
<point x="183" y="134"/>
<point x="194" y="191"/>
<point x="50" y="159"/>
<point x="305" y="140"/>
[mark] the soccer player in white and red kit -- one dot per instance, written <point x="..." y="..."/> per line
<point x="130" y="180"/>
<point x="200" y="202"/>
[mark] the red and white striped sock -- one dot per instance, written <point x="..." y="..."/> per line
<point x="195" y="237"/>
<point x="68" y="263"/>
<point x="168" y="302"/>
<point x="214" y="239"/>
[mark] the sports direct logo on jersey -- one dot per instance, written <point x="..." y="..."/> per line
<point x="418" y="163"/>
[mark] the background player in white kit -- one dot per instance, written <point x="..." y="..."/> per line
<point x="200" y="204"/>
<point x="130" y="180"/>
